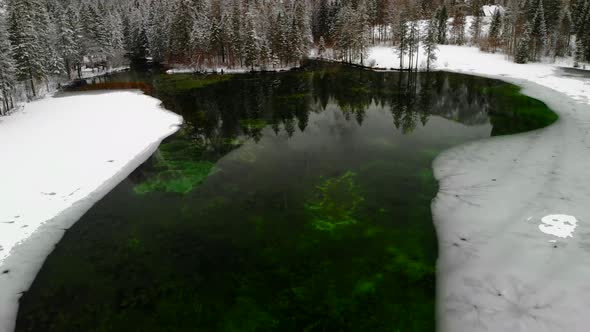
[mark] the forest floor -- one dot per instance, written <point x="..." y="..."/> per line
<point x="61" y="155"/>
<point x="512" y="213"/>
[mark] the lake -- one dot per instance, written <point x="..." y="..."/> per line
<point x="296" y="201"/>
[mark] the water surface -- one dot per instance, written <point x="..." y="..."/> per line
<point x="295" y="201"/>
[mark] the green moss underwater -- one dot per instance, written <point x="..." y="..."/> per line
<point x="336" y="204"/>
<point x="177" y="168"/>
<point x="179" y="83"/>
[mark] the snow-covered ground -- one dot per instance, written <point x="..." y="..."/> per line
<point x="60" y="155"/>
<point x="512" y="213"/>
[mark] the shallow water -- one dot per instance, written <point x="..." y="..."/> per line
<point x="296" y="201"/>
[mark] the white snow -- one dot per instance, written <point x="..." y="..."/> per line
<point x="512" y="212"/>
<point x="60" y="155"/>
<point x="560" y="225"/>
<point x="490" y="10"/>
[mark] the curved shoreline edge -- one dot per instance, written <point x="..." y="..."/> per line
<point x="497" y="271"/>
<point x="27" y="257"/>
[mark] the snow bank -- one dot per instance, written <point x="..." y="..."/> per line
<point x="512" y="212"/>
<point x="61" y="155"/>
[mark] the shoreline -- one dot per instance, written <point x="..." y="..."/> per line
<point x="39" y="218"/>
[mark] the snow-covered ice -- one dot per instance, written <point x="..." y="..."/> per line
<point x="60" y="155"/>
<point x="512" y="212"/>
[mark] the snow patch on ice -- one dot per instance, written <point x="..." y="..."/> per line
<point x="560" y="225"/>
<point x="60" y="156"/>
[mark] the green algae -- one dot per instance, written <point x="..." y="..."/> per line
<point x="336" y="203"/>
<point x="177" y="169"/>
<point x="178" y="83"/>
<point x="253" y="124"/>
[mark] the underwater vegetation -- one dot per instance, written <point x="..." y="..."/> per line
<point x="336" y="203"/>
<point x="177" y="169"/>
<point x="179" y="83"/>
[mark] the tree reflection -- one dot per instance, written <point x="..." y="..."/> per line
<point x="245" y="105"/>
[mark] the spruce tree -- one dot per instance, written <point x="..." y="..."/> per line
<point x="495" y="29"/>
<point x="7" y="71"/>
<point x="27" y="48"/>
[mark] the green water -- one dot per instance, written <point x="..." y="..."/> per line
<point x="296" y="201"/>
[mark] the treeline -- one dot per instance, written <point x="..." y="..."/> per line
<point x="44" y="39"/>
<point x="41" y="40"/>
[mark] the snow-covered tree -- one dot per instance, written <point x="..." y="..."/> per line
<point x="7" y="71"/>
<point x="563" y="34"/>
<point x="26" y="43"/>
<point x="157" y="29"/>
<point x="538" y="32"/>
<point x="523" y="46"/>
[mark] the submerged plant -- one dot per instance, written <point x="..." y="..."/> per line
<point x="178" y="169"/>
<point x="336" y="204"/>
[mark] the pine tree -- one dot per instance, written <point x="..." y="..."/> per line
<point x="495" y="29"/>
<point x="430" y="38"/>
<point x="413" y="38"/>
<point x="442" y="17"/>
<point x="402" y="36"/>
<point x="538" y="32"/>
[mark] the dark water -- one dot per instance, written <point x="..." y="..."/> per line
<point x="288" y="202"/>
